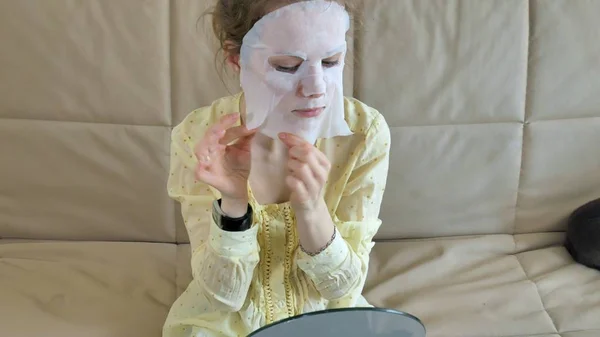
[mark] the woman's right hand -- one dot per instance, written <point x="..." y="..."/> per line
<point x="224" y="160"/>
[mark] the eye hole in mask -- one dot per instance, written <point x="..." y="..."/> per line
<point x="290" y="64"/>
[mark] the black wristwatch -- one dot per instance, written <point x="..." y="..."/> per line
<point x="231" y="224"/>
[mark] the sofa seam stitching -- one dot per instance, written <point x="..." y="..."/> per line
<point x="525" y="117"/>
<point x="536" y="287"/>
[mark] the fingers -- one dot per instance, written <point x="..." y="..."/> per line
<point x="223" y="125"/>
<point x="228" y="121"/>
<point x="309" y="166"/>
<point x="315" y="159"/>
<point x="235" y="133"/>
<point x="291" y="140"/>
<point x="298" y="187"/>
<point x="212" y="151"/>
<point x="211" y="142"/>
<point x="218" y="130"/>
<point x="300" y="159"/>
<point x="208" y="150"/>
<point x="306" y="174"/>
<point x="323" y="160"/>
<point x="203" y="171"/>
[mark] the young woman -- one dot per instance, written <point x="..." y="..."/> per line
<point x="280" y="223"/>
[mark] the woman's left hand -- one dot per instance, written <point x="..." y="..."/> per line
<point x="308" y="173"/>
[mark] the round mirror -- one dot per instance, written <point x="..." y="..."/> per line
<point x="349" y="322"/>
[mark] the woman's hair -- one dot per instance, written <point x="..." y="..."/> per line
<point x="232" y="19"/>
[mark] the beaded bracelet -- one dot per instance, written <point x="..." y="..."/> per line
<point x="323" y="248"/>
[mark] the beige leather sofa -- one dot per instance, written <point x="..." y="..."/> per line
<point x="495" y="113"/>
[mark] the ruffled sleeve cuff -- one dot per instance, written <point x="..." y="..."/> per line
<point x="238" y="244"/>
<point x="321" y="266"/>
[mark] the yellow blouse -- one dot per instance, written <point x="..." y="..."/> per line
<point x="245" y="280"/>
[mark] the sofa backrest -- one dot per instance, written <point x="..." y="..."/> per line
<point x="494" y="108"/>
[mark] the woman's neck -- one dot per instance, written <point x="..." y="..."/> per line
<point x="272" y="148"/>
<point x="269" y="166"/>
<point x="269" y="148"/>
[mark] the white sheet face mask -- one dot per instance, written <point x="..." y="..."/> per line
<point x="305" y="99"/>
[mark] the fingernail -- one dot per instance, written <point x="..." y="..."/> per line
<point x="282" y="135"/>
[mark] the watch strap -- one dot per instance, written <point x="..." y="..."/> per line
<point x="229" y="224"/>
